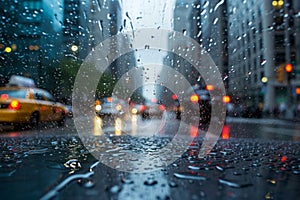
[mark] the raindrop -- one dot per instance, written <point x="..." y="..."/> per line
<point x="269" y="196"/>
<point x="206" y="4"/>
<point x="195" y="168"/>
<point x="216" y="21"/>
<point x="150" y="182"/>
<point x="272" y="181"/>
<point x="87" y="183"/>
<point x="233" y="184"/>
<point x="73" y="164"/>
<point x="173" y="184"/>
<point x="189" y="176"/>
<point x="127" y="181"/>
<point x="115" y="189"/>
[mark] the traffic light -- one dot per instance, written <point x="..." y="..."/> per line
<point x="280" y="74"/>
<point x="289" y="70"/>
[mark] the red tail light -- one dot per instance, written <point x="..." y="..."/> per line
<point x="14" y="105"/>
<point x="225" y="132"/>
<point x="162" y="107"/>
<point x="4" y="96"/>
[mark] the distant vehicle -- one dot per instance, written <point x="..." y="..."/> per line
<point x="137" y="109"/>
<point x="27" y="105"/>
<point x="110" y="106"/>
<point x="69" y="111"/>
<point x="153" y="109"/>
<point x="201" y="98"/>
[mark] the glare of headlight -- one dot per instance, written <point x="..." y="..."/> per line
<point x="118" y="107"/>
<point x="98" y="107"/>
<point x="134" y="111"/>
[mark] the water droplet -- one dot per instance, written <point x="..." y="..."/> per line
<point x="269" y="196"/>
<point x="233" y="184"/>
<point x="73" y="164"/>
<point x="195" y="168"/>
<point x="189" y="176"/>
<point x="150" y="182"/>
<point x="127" y="181"/>
<point x="115" y="189"/>
<point x="272" y="181"/>
<point x="173" y="184"/>
<point x="87" y="183"/>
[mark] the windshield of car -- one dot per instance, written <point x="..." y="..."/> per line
<point x="209" y="94"/>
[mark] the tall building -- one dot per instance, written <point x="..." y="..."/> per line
<point x="263" y="37"/>
<point x="186" y="21"/>
<point x="214" y="33"/>
<point x="30" y="34"/>
<point x="88" y="23"/>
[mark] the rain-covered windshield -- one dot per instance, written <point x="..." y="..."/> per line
<point x="203" y="95"/>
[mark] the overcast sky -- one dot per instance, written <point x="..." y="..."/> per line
<point x="149" y="14"/>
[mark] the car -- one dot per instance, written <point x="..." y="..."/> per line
<point x="153" y="109"/>
<point x="21" y="105"/>
<point x="137" y="109"/>
<point x="110" y="106"/>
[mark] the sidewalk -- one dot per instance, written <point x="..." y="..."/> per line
<point x="268" y="121"/>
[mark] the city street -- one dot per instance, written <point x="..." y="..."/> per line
<point x="253" y="159"/>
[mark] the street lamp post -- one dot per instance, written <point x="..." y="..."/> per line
<point x="288" y="66"/>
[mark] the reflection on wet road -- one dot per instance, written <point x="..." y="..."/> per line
<point x="253" y="159"/>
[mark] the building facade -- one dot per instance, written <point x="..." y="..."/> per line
<point x="263" y="38"/>
<point x="30" y="34"/>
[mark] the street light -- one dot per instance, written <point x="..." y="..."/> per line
<point x="288" y="69"/>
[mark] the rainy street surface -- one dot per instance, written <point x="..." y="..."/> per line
<point x="253" y="159"/>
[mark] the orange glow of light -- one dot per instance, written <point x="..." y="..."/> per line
<point x="15" y="105"/>
<point x="225" y="132"/>
<point x="162" y="107"/>
<point x="288" y="68"/>
<point x="194" y="98"/>
<point x="43" y="108"/>
<point x="174" y="97"/>
<point x="298" y="90"/>
<point x="193" y="131"/>
<point x="226" y="99"/>
<point x="97" y="102"/>
<point x="4" y="96"/>
<point x="109" y="99"/>
<point x="153" y="100"/>
<point x="142" y="108"/>
<point x="210" y="87"/>
<point x="283" y="158"/>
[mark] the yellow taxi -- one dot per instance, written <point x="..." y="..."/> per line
<point x="29" y="105"/>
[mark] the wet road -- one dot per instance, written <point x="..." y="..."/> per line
<point x="253" y="159"/>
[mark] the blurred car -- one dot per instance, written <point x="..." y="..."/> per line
<point x="110" y="106"/>
<point x="202" y="99"/>
<point x="153" y="109"/>
<point x="21" y="105"/>
<point x="69" y="111"/>
<point x="137" y="109"/>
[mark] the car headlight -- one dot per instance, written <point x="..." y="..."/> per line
<point x="98" y="107"/>
<point x="134" y="111"/>
<point x="118" y="107"/>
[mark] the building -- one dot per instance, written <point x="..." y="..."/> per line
<point x="214" y="33"/>
<point x="186" y="21"/>
<point x="263" y="37"/>
<point x="30" y="34"/>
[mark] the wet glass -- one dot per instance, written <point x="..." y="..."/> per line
<point x="161" y="97"/>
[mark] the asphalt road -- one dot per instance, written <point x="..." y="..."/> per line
<point x="253" y="159"/>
